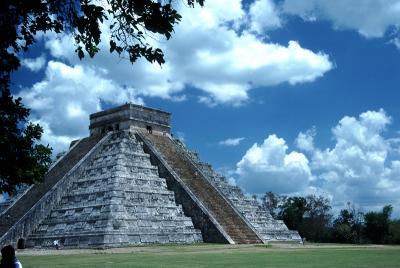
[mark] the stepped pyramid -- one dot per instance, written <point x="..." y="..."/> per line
<point x="119" y="199"/>
<point x="131" y="183"/>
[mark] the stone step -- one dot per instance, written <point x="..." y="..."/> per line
<point x="132" y="222"/>
<point x="131" y="207"/>
<point x="112" y="239"/>
<point x="123" y="161"/>
<point x="204" y="191"/>
<point x="151" y="181"/>
<point x="117" y="146"/>
<point x="113" y="192"/>
<point x="122" y="166"/>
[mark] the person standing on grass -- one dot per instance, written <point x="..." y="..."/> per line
<point x="56" y="244"/>
<point x="8" y="259"/>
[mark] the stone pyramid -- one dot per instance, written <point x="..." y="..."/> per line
<point x="131" y="183"/>
<point x="119" y="199"/>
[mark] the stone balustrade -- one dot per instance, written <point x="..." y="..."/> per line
<point x="269" y="228"/>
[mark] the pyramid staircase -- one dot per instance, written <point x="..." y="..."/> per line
<point x="235" y="227"/>
<point x="266" y="226"/>
<point x="118" y="199"/>
<point x="269" y="228"/>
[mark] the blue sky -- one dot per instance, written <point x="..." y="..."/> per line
<point x="292" y="96"/>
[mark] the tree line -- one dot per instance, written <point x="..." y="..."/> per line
<point x="313" y="218"/>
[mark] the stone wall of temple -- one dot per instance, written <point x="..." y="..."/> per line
<point x="130" y="116"/>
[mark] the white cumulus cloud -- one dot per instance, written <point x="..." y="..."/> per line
<point x="268" y="167"/>
<point x="370" y="18"/>
<point x="357" y="168"/>
<point x="361" y="166"/>
<point x="34" y="64"/>
<point x="396" y="41"/>
<point x="209" y="55"/>
<point x="264" y="16"/>
<point x="231" y="141"/>
<point x="305" y="141"/>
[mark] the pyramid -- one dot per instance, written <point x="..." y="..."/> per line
<point x="131" y="183"/>
<point x="119" y="199"/>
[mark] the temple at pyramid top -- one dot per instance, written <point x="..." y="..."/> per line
<point x="130" y="116"/>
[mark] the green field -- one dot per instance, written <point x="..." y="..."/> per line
<point x="218" y="256"/>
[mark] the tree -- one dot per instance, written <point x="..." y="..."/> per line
<point x="348" y="225"/>
<point x="376" y="224"/>
<point x="292" y="211"/>
<point x="21" y="160"/>
<point x="394" y="232"/>
<point x="309" y="215"/>
<point x="317" y="218"/>
<point x="342" y="227"/>
<point x="130" y="22"/>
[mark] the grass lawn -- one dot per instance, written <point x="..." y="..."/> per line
<point x="218" y="256"/>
